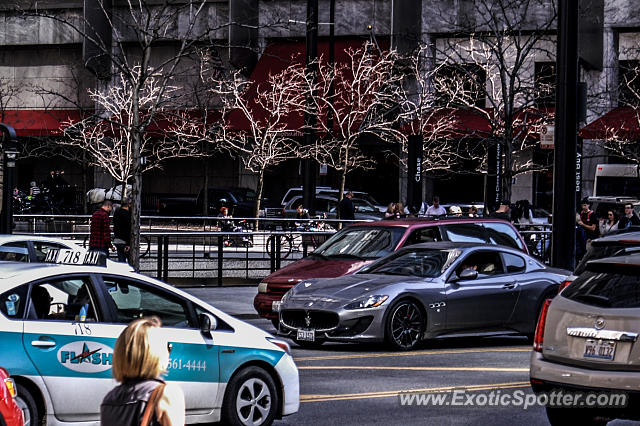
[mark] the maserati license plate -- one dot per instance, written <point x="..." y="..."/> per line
<point x="599" y="349"/>
<point x="306" y="335"/>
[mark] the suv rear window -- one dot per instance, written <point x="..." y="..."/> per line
<point x="606" y="289"/>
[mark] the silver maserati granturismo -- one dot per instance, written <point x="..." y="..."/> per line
<point x="423" y="291"/>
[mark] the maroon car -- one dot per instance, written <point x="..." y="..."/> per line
<point x="10" y="413"/>
<point x="355" y="246"/>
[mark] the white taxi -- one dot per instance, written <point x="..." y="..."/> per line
<point x="59" y="324"/>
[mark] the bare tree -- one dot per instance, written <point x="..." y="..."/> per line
<point x="353" y="100"/>
<point x="257" y="120"/>
<point x="136" y="30"/>
<point x="445" y="140"/>
<point x="619" y="136"/>
<point x="488" y="68"/>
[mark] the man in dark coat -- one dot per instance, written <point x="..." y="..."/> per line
<point x="346" y="208"/>
<point x="122" y="231"/>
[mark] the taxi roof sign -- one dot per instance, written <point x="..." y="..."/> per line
<point x="76" y="257"/>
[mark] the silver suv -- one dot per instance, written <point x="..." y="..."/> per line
<point x="587" y="341"/>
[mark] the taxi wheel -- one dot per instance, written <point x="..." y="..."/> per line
<point x="405" y="325"/>
<point x="251" y="398"/>
<point x="28" y="406"/>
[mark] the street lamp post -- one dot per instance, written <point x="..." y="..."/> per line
<point x="9" y="142"/>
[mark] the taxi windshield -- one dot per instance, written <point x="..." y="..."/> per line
<point x="361" y="243"/>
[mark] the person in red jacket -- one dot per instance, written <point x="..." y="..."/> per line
<point x="100" y="239"/>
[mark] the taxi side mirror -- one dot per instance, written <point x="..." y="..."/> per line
<point x="207" y="323"/>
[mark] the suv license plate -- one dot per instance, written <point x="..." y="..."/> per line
<point x="600" y="349"/>
<point x="306" y="335"/>
<point x="275" y="306"/>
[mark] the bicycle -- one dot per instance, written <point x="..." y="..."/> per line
<point x="144" y="243"/>
<point x="289" y="243"/>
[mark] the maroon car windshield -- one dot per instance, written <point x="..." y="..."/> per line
<point x="361" y="243"/>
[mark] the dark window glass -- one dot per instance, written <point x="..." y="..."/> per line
<point x="545" y="84"/>
<point x="513" y="263"/>
<point x="461" y="85"/>
<point x="503" y="234"/>
<point x="464" y="232"/>
<point x="606" y="289"/>
<point x="134" y="300"/>
<point x="629" y="80"/>
<point x="42" y="248"/>
<point x="16" y="251"/>
<point x="428" y="263"/>
<point x="361" y="243"/>
<point x="597" y="251"/>
<point x="66" y="299"/>
<point x="485" y="262"/>
<point x="424" y="235"/>
<point x="13" y="302"/>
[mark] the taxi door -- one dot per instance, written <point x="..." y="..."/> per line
<point x="193" y="359"/>
<point x="70" y="345"/>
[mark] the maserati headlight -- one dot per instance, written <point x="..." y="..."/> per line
<point x="367" y="302"/>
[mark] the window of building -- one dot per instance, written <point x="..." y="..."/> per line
<point x="461" y="85"/>
<point x="545" y="84"/>
<point x="629" y="81"/>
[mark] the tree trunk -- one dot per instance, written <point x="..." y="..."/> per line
<point x="205" y="186"/>
<point x="136" y="188"/>
<point x="259" y="196"/>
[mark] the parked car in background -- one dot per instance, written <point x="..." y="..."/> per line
<point x="10" y="412"/>
<point x="477" y="288"/>
<point x="327" y="206"/>
<point x="241" y="202"/>
<point x="614" y="245"/>
<point x="327" y="190"/>
<point x="586" y="343"/>
<point x="362" y="243"/>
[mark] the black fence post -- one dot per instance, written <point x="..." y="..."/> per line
<point x="160" y="241"/>
<point x="220" y="258"/>
<point x="272" y="242"/>
<point x="278" y="251"/>
<point x="165" y="259"/>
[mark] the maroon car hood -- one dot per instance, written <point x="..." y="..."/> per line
<point x="312" y="268"/>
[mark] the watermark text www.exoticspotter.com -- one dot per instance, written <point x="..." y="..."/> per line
<point x="515" y="398"/>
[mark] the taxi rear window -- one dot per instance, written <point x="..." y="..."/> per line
<point x="606" y="289"/>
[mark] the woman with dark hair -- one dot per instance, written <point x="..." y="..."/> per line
<point x="610" y="224"/>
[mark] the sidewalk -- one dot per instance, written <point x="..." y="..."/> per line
<point x="234" y="300"/>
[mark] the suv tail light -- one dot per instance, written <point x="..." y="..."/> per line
<point x="564" y="284"/>
<point x="538" y="338"/>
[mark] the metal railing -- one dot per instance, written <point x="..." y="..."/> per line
<point x="537" y="237"/>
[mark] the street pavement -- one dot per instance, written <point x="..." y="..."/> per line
<point x="345" y="384"/>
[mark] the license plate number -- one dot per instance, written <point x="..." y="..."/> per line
<point x="306" y="335"/>
<point x="275" y="306"/>
<point x="599" y="349"/>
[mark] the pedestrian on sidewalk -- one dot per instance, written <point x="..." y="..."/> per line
<point x="100" y="239"/>
<point x="140" y="358"/>
<point x="122" y="231"/>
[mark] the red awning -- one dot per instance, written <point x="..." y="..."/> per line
<point x="619" y="123"/>
<point x="457" y="123"/>
<point x="280" y="54"/>
<point x="30" y="122"/>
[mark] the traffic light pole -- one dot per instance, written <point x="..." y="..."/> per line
<point x="564" y="170"/>
<point x="309" y="165"/>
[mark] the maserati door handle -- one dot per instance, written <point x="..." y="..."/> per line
<point x="509" y="286"/>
